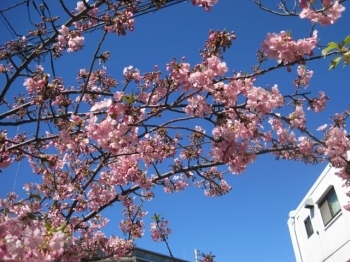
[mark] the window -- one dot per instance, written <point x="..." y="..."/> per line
<point x="308" y="227"/>
<point x="329" y="206"/>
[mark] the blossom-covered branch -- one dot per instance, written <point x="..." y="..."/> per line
<point x="103" y="141"/>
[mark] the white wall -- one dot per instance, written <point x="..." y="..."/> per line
<point x="330" y="243"/>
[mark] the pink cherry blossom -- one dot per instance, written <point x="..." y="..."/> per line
<point x="285" y="50"/>
<point x="217" y="66"/>
<point x="80" y="6"/>
<point x="206" y="4"/>
<point x="318" y="104"/>
<point x="197" y="106"/>
<point x="330" y="14"/>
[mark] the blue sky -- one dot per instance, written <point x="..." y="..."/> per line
<point x="250" y="223"/>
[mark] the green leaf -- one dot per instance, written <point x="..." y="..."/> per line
<point x="156" y="218"/>
<point x="62" y="227"/>
<point x="347" y="40"/>
<point x="129" y="99"/>
<point x="335" y="61"/>
<point x="346" y="58"/>
<point x="48" y="226"/>
<point x="331" y="46"/>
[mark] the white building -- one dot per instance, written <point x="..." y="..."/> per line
<point x="320" y="226"/>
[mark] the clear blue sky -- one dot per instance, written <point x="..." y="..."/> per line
<point x="250" y="223"/>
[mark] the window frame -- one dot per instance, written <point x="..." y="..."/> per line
<point x="309" y="227"/>
<point x="326" y="210"/>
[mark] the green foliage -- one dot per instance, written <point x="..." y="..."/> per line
<point x="341" y="48"/>
<point x="330" y="47"/>
<point x="129" y="99"/>
<point x="156" y="218"/>
<point x="335" y="61"/>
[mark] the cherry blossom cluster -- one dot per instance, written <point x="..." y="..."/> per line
<point x="121" y="23"/>
<point x="213" y="183"/>
<point x="264" y="101"/>
<point x="285" y="50"/>
<point x="132" y="224"/>
<point x="318" y="104"/>
<point x="304" y="76"/>
<point x="29" y="241"/>
<point x="177" y="183"/>
<point x="329" y="13"/>
<point x="69" y="40"/>
<point x="37" y="83"/>
<point x="26" y="234"/>
<point x="217" y="43"/>
<point x="206" y="4"/>
<point x="5" y="156"/>
<point x="86" y="23"/>
<point x="131" y="74"/>
<point x="159" y="229"/>
<point x="8" y="48"/>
